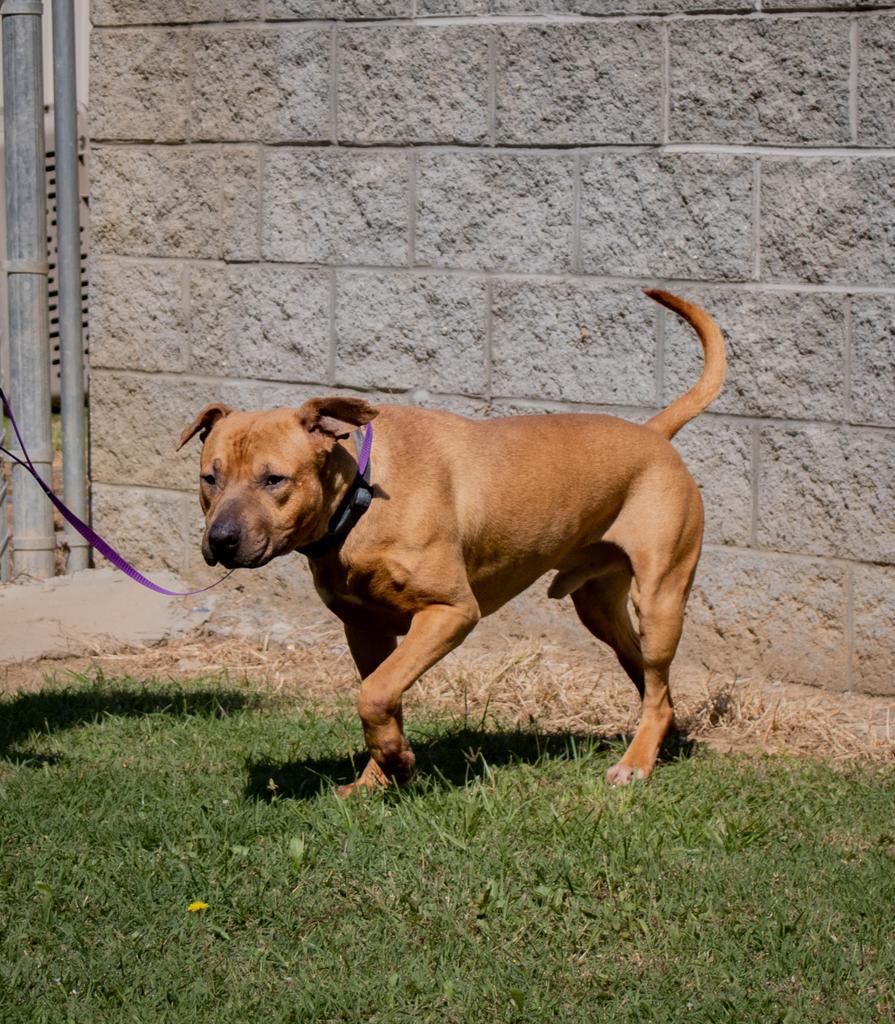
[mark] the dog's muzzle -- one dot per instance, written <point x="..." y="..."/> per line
<point x="224" y="538"/>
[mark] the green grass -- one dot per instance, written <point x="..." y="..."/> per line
<point x="507" y="884"/>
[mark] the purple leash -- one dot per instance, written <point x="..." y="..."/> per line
<point x="363" y="456"/>
<point x="90" y="535"/>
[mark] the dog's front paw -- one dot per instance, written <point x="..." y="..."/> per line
<point x="395" y="770"/>
<point x="624" y="774"/>
<point x="397" y="765"/>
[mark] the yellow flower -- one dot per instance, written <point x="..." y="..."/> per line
<point x="197" y="905"/>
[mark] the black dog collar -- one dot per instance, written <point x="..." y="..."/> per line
<point x="350" y="509"/>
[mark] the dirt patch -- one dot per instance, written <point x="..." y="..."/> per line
<point x="520" y="683"/>
<point x="90" y="612"/>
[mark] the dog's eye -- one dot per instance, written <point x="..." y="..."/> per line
<point x="208" y="478"/>
<point x="272" y="480"/>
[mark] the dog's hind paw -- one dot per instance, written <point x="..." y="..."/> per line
<point x="372" y="777"/>
<point x="400" y="769"/>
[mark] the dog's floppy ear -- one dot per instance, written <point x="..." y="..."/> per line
<point x="204" y="422"/>
<point x="335" y="417"/>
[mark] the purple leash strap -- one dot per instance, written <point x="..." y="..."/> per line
<point x="87" y="532"/>
<point x="364" y="455"/>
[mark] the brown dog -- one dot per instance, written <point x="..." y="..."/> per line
<point x="465" y="515"/>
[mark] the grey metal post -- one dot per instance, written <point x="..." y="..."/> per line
<point x="26" y="267"/>
<point x="4" y="531"/>
<point x="68" y="255"/>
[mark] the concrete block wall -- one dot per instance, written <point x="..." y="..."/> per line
<point x="456" y="202"/>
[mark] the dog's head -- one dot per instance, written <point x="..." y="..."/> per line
<point x="264" y="475"/>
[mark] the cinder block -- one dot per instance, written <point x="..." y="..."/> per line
<point x="776" y="80"/>
<point x="769" y="617"/>
<point x="269" y="322"/>
<point x="176" y="202"/>
<point x="610" y="7"/>
<point x="261" y="84"/>
<point x="874" y="629"/>
<point x="719" y="455"/>
<point x="136" y="421"/>
<point x="168" y="12"/>
<point x="137" y="315"/>
<point x="494" y="211"/>
<point x="428" y="8"/>
<point x="785" y="353"/>
<point x="240" y="204"/>
<point x="820" y="5"/>
<point x="532" y="6"/>
<point x="286" y="395"/>
<point x="338" y="9"/>
<point x="273" y="395"/>
<point x="139" y="84"/>
<point x="336" y="206"/>
<point x="413" y="84"/>
<point x="827" y="491"/>
<point x="873" y="359"/>
<point x="538" y="407"/>
<point x="876" y="81"/>
<point x="471" y="406"/>
<point x="655" y="6"/>
<point x="573" y="342"/>
<point x="575" y="84"/>
<point x="828" y="219"/>
<point x="147" y="526"/>
<point x="411" y="331"/>
<point x="679" y="215"/>
<point x="243" y="10"/>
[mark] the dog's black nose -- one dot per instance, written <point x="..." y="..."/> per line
<point x="223" y="538"/>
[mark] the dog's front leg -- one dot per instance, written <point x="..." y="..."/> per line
<point x="369" y="650"/>
<point x="434" y="631"/>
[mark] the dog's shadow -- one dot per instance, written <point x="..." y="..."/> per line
<point x="451" y="760"/>
<point x="50" y="711"/>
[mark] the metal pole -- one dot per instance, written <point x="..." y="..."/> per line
<point x="68" y="249"/>
<point x="26" y="267"/>
<point x="4" y="532"/>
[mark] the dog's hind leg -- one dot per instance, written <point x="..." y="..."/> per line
<point x="659" y="600"/>
<point x="602" y="606"/>
<point x="663" y="544"/>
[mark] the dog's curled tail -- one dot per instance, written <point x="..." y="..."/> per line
<point x="670" y="420"/>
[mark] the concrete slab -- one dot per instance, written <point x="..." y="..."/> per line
<point x="97" y="610"/>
